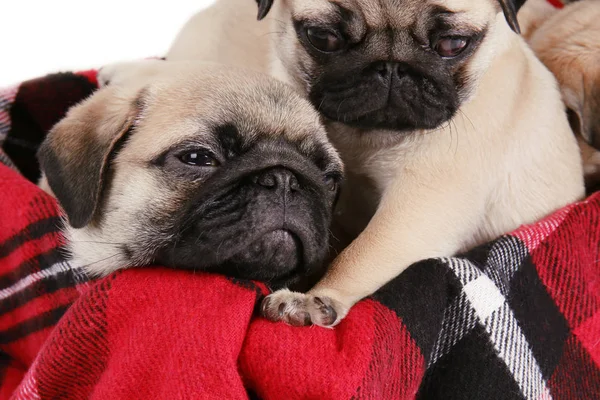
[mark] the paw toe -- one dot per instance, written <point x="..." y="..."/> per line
<point x="327" y="313"/>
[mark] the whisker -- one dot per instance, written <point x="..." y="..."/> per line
<point x="96" y="242"/>
<point x="99" y="261"/>
<point x="457" y="137"/>
<point x="462" y="113"/>
<point x="271" y="33"/>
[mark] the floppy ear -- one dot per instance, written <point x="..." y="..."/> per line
<point x="264" y="6"/>
<point x="584" y="112"/>
<point x="591" y="115"/>
<point x="510" y="9"/>
<point x="77" y="152"/>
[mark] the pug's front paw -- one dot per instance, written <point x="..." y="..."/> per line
<point x="124" y="72"/>
<point x="110" y="73"/>
<point x="299" y="309"/>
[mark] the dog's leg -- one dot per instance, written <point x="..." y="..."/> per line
<point x="428" y="218"/>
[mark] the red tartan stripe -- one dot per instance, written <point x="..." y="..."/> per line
<point x="576" y="377"/>
<point x="33" y="231"/>
<point x="535" y="234"/>
<point x="556" y="3"/>
<point x="33" y="325"/>
<point x="39" y="305"/>
<point x="5" y="361"/>
<point x="20" y="194"/>
<point x="45" y="286"/>
<point x="369" y="349"/>
<point x="567" y="263"/>
<point x="397" y="364"/>
<point x="27" y="349"/>
<point x="91" y="75"/>
<point x="588" y="334"/>
<point x="29" y="266"/>
<point x="11" y="375"/>
<point x="22" y="263"/>
<point x="33" y="257"/>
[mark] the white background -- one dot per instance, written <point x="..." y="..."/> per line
<point x="42" y="36"/>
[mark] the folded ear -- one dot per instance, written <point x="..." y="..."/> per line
<point x="76" y="154"/>
<point x="592" y="116"/>
<point x="510" y="9"/>
<point x="590" y="119"/>
<point x="583" y="104"/>
<point x="264" y="6"/>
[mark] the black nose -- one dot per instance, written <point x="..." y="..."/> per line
<point x="277" y="178"/>
<point x="387" y="69"/>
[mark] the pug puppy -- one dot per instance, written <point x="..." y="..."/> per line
<point x="567" y="41"/>
<point x="445" y="120"/>
<point x="200" y="168"/>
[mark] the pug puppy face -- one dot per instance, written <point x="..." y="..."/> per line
<point x="397" y="65"/>
<point x="202" y="169"/>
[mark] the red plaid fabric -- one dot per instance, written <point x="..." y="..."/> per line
<point x="556" y="3"/>
<point x="518" y="318"/>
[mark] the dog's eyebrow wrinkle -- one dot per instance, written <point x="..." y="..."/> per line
<point x="229" y="139"/>
<point x="438" y="10"/>
<point x="344" y="13"/>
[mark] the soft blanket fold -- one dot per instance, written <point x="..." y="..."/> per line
<point x="518" y="318"/>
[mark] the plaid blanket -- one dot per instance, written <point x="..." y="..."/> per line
<point x="518" y="318"/>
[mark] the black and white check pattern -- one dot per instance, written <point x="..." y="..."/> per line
<point x="480" y="324"/>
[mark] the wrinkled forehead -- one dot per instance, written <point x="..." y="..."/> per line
<point x="396" y="14"/>
<point x="205" y="111"/>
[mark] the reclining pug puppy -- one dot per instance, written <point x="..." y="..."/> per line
<point x="199" y="167"/>
<point x="567" y="41"/>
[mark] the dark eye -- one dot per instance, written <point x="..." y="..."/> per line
<point x="331" y="182"/>
<point x="451" y="46"/>
<point x="199" y="159"/>
<point x="324" y="40"/>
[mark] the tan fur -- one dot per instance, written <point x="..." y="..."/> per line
<point x="208" y="36"/>
<point x="567" y="41"/>
<point x="435" y="193"/>
<point x="180" y="101"/>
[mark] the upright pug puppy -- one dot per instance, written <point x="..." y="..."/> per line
<point x="445" y="120"/>
<point x="198" y="168"/>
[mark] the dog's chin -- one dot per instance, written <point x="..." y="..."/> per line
<point x="275" y="258"/>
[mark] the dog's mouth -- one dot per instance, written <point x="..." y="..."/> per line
<point x="402" y="104"/>
<point x="277" y="258"/>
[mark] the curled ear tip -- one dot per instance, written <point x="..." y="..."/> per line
<point x="261" y="15"/>
<point x="264" y="6"/>
<point x="515" y="27"/>
<point x="510" y="8"/>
